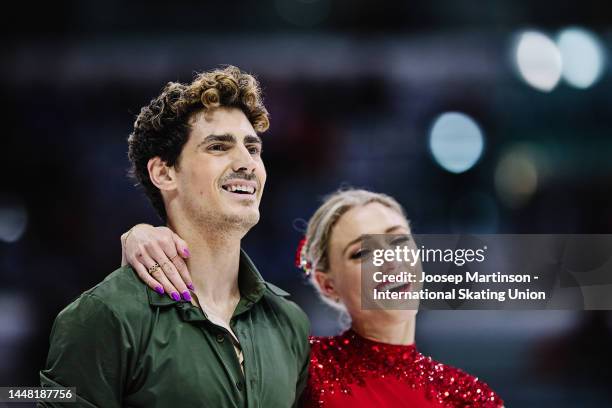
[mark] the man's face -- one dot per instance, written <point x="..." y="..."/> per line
<point x="220" y="175"/>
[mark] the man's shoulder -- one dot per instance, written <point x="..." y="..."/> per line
<point x="120" y="286"/>
<point x="281" y="303"/>
<point x="120" y="295"/>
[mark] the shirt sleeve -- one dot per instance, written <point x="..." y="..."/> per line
<point x="89" y="349"/>
<point x="302" y="379"/>
<point x="304" y="360"/>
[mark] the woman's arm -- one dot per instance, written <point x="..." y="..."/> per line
<point x="144" y="246"/>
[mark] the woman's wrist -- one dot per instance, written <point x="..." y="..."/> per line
<point x="126" y="235"/>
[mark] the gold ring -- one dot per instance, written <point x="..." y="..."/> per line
<point x="153" y="268"/>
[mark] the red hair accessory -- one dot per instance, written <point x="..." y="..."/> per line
<point x="300" y="257"/>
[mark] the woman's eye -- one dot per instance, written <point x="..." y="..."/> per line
<point x="360" y="254"/>
<point x="400" y="240"/>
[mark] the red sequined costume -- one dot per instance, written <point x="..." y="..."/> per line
<point x="351" y="371"/>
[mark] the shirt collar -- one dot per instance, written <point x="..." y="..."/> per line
<point x="252" y="286"/>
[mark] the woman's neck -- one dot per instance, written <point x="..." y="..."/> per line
<point x="384" y="331"/>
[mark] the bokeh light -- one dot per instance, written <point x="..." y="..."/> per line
<point x="538" y="60"/>
<point x="13" y="220"/>
<point x="516" y="177"/>
<point x="456" y="142"/>
<point x="583" y="57"/>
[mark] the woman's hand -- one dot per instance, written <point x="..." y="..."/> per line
<point x="144" y="245"/>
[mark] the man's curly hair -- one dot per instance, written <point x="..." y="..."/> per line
<point x="162" y="127"/>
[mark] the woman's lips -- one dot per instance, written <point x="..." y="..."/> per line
<point x="395" y="287"/>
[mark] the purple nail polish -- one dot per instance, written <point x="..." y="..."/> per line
<point x="159" y="290"/>
<point x="190" y="286"/>
<point x="186" y="252"/>
<point x="175" y="296"/>
<point x="186" y="296"/>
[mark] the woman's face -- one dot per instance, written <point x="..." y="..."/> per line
<point x="347" y="252"/>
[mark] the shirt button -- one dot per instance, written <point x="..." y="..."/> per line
<point x="220" y="338"/>
<point x="239" y="385"/>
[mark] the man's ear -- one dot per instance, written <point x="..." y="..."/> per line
<point x="161" y="175"/>
<point x="326" y="284"/>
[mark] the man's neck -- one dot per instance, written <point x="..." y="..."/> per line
<point x="213" y="263"/>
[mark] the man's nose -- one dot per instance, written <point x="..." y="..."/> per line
<point x="243" y="160"/>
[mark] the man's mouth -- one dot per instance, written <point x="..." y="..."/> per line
<point x="240" y="187"/>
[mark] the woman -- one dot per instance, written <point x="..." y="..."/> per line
<point x="375" y="362"/>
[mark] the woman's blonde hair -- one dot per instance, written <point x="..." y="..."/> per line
<point x="321" y="225"/>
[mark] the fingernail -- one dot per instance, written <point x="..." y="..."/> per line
<point x="187" y="296"/>
<point x="190" y="286"/>
<point x="175" y="296"/>
<point x="159" y="290"/>
<point x="186" y="252"/>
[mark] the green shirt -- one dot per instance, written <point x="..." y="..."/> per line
<point x="122" y="344"/>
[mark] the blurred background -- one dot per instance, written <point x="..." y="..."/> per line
<point x="489" y="117"/>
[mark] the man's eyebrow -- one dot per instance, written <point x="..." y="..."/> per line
<point x="227" y="138"/>
<point x="252" y="139"/>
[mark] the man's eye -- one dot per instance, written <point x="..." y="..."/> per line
<point x="217" y="147"/>
<point x="254" y="150"/>
<point x="360" y="254"/>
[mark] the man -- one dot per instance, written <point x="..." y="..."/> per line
<point x="233" y="341"/>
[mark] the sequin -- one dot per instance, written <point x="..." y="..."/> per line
<point x="338" y="364"/>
